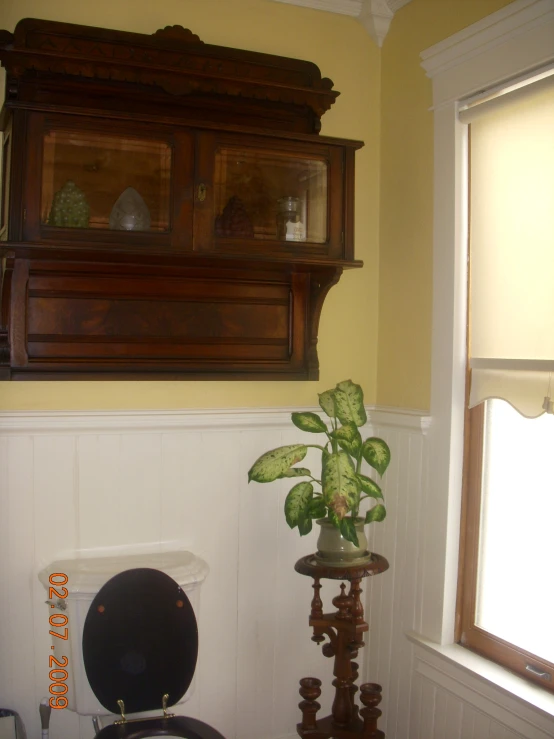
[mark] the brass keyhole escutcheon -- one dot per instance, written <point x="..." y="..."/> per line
<point x="202" y="190"/>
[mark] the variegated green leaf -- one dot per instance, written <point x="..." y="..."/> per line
<point x="309" y="422"/>
<point x="349" y="438"/>
<point x="341" y="488"/>
<point x="297" y="502"/>
<point x="317" y="508"/>
<point x="377" y="513"/>
<point x="376" y="453"/>
<point x="369" y="486"/>
<point x="349" y="449"/>
<point x="270" y="465"/>
<point x="349" y="402"/>
<point x="327" y="402"/>
<point x="348" y="530"/>
<point x="295" y="472"/>
<point x="305" y="526"/>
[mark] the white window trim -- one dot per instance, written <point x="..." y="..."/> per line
<point x="516" y="39"/>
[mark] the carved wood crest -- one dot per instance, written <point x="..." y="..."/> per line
<point x="172" y="59"/>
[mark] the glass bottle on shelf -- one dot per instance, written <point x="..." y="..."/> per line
<point x="289" y="225"/>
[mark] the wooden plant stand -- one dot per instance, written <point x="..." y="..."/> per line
<point x="344" y="630"/>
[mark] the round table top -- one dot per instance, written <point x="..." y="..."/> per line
<point x="310" y="566"/>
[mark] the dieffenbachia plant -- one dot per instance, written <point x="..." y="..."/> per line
<point x="343" y="487"/>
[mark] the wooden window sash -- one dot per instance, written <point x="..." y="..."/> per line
<point x="467" y="633"/>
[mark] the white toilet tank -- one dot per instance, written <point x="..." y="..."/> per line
<point x="85" y="577"/>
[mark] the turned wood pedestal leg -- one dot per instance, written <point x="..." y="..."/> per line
<point x="342" y="632"/>
<point x="370" y="695"/>
<point x="310" y="690"/>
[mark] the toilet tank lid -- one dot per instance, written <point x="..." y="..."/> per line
<point x="89" y="574"/>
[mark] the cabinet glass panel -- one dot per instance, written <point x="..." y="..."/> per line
<point x="266" y="195"/>
<point x="105" y="182"/>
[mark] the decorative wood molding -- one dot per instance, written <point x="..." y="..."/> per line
<point x="234" y="419"/>
<point x="6" y="271"/>
<point x="172" y="59"/>
<point x="178" y="33"/>
<point x="4" y="348"/>
<point x="496" y="29"/>
<point x="374" y="15"/>
<point x="320" y="285"/>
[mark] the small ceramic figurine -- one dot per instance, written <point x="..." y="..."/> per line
<point x="130" y="212"/>
<point x="69" y="208"/>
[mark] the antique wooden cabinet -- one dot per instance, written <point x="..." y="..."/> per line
<point x="169" y="209"/>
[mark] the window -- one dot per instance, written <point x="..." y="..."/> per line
<point x="507" y="591"/>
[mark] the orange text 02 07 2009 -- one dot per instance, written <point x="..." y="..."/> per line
<point x="58" y="672"/>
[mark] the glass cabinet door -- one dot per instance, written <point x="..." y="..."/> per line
<point x="269" y="195"/>
<point x="106" y="182"/>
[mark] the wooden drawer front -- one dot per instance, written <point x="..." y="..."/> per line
<point x="109" y="321"/>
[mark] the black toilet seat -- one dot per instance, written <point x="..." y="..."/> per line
<point x="140" y="645"/>
<point x="186" y="727"/>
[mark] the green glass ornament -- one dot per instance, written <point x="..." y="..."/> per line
<point x="69" y="208"/>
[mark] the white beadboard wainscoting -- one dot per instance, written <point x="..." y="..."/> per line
<point x="451" y="703"/>
<point x="86" y="483"/>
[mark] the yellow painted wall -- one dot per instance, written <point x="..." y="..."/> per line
<point x="406" y="196"/>
<point x="341" y="48"/>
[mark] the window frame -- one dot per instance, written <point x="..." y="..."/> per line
<point x="500" y="47"/>
<point x="468" y="634"/>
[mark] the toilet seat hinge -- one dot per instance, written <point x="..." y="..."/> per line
<point x="125" y="720"/>
<point x="165" y="698"/>
<point x="122" y="711"/>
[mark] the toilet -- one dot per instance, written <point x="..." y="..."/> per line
<point x="128" y="638"/>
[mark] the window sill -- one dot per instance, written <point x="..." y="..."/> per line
<point x="486" y="685"/>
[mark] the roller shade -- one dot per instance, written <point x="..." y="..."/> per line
<point x="512" y="247"/>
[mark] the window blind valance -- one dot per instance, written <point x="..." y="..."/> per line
<point x="512" y="247"/>
<point x="525" y="389"/>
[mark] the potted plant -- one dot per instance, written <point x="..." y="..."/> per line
<point x="334" y="500"/>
